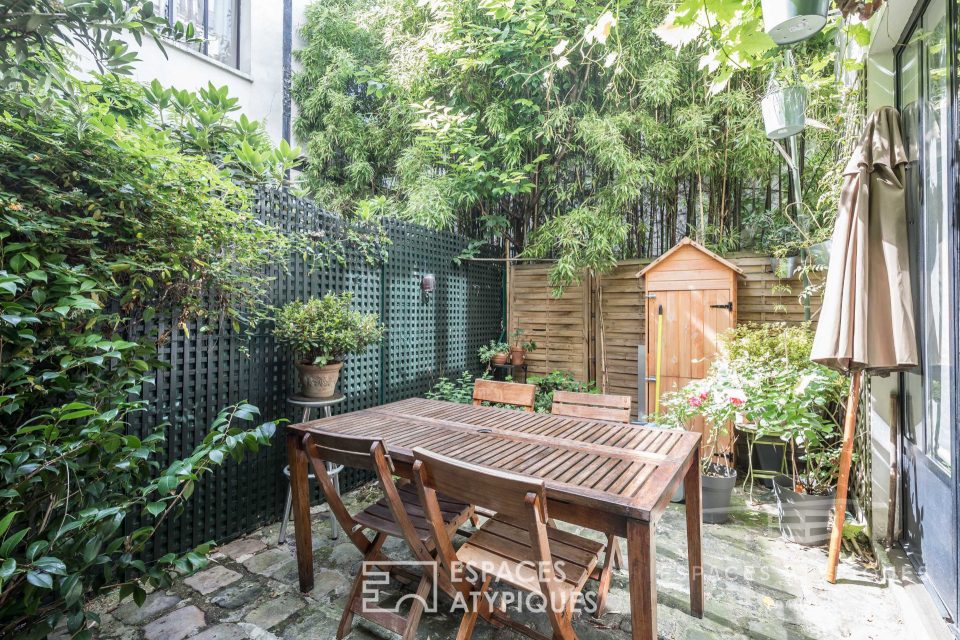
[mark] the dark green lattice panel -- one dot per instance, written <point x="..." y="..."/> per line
<point x="426" y="338"/>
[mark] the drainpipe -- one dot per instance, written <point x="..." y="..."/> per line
<point x="287" y="69"/>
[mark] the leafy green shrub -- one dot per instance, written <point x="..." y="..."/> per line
<point x="325" y="330"/>
<point x="104" y="223"/>
<point x="459" y="390"/>
<point x="763" y="374"/>
<point x="557" y="381"/>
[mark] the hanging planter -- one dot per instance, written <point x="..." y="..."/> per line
<point x="790" y="21"/>
<point x="785" y="267"/>
<point x="820" y="253"/>
<point x="784" y="111"/>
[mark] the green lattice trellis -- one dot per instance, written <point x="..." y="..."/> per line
<point x="426" y="337"/>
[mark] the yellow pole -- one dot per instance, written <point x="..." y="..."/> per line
<point x="656" y="400"/>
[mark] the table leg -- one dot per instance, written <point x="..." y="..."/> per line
<point x="691" y="494"/>
<point x="334" y="527"/>
<point x="641" y="563"/>
<point x="300" y="488"/>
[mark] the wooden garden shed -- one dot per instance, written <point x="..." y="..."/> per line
<point x="696" y="292"/>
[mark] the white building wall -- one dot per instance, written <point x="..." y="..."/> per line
<point x="258" y="83"/>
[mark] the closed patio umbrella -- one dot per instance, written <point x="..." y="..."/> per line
<point x="866" y="323"/>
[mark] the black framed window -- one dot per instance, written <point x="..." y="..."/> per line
<point x="216" y="23"/>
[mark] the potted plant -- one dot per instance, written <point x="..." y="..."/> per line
<point x="716" y="398"/>
<point x="784" y="104"/>
<point x="496" y="352"/>
<point x="519" y="350"/>
<point x="800" y="403"/>
<point x="322" y="332"/>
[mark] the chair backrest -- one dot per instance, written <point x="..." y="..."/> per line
<point x="498" y="491"/>
<point x="519" y="395"/>
<point x="592" y="406"/>
<point x="521" y="499"/>
<point x="362" y="453"/>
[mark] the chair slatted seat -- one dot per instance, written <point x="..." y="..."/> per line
<point x="516" y="546"/>
<point x="399" y="513"/>
<point x="596" y="406"/>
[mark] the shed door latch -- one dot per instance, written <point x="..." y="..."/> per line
<point x="728" y="306"/>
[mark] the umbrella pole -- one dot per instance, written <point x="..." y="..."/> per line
<point x="846" y="456"/>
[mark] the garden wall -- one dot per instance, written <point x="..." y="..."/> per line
<point x="568" y="332"/>
<point x="426" y="336"/>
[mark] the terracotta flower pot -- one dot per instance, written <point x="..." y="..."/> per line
<point x="500" y="358"/>
<point x="517" y="355"/>
<point x="318" y="382"/>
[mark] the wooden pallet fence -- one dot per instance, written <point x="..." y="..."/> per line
<point x="592" y="331"/>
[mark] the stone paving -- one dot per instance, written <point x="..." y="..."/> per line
<point x="757" y="586"/>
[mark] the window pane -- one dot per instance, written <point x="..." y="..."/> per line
<point x="222" y="31"/>
<point x="913" y="398"/>
<point x="938" y="319"/>
<point x="187" y="11"/>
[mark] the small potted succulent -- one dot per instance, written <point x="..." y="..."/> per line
<point x="322" y="332"/>
<point x="495" y="353"/>
<point x="519" y="350"/>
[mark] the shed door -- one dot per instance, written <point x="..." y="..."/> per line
<point x="692" y="321"/>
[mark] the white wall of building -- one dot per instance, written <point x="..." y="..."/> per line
<point x="258" y="83"/>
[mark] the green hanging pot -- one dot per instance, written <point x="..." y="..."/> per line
<point x="784" y="111"/>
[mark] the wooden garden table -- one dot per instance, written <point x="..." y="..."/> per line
<point x="607" y="476"/>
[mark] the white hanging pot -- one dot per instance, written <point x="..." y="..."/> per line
<point x="789" y="21"/>
<point x="784" y="111"/>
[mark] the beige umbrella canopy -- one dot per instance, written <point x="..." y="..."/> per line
<point x="866" y="323"/>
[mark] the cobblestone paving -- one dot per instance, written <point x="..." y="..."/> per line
<point x="757" y="586"/>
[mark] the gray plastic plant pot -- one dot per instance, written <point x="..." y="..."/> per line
<point x="717" y="492"/>
<point x="789" y="21"/>
<point x="784" y="111"/>
<point x="804" y="519"/>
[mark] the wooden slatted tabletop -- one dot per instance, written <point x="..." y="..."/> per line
<point x="613" y="477"/>
<point x="625" y="467"/>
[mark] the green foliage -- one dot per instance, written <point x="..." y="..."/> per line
<point x="763" y="378"/>
<point x="148" y="223"/>
<point x="72" y="475"/>
<point x="200" y="123"/>
<point x="557" y="381"/>
<point x="488" y="351"/>
<point x="526" y="345"/>
<point x="35" y="33"/>
<point x="325" y="330"/>
<point x="459" y="390"/>
<point x="566" y="128"/>
<point x="105" y="223"/>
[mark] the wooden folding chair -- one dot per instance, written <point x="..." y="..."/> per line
<point x="513" y="393"/>
<point x="592" y="406"/>
<point x="595" y="406"/>
<point x="398" y="514"/>
<point x="516" y="546"/>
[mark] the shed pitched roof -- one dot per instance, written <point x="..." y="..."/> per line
<point x="699" y="247"/>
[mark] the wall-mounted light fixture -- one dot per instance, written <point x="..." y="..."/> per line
<point x="428" y="283"/>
